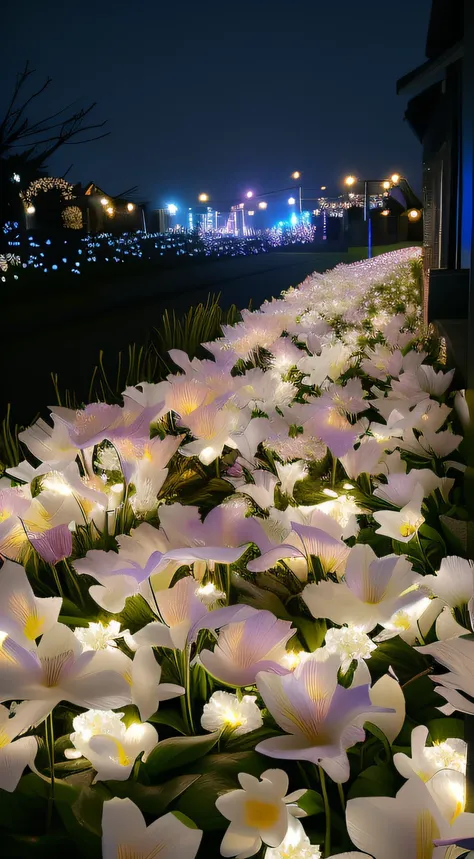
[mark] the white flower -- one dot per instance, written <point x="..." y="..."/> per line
<point x="99" y="636"/>
<point x="224" y="710"/>
<point x="209" y="594"/>
<point x="295" y="845"/>
<point x="454" y="582"/>
<point x="126" y="835"/>
<point x="16" y="754"/>
<point x="402" y="526"/>
<point x="24" y="616"/>
<point x="260" y="812"/>
<point x="349" y="642"/>
<point x="290" y="474"/>
<point x="109" y="745"/>
<point x="426" y="760"/>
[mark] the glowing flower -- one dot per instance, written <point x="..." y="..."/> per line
<point x="225" y="710"/>
<point x="332" y="552"/>
<point x="260" y="812"/>
<point x="125" y="833"/>
<point x="58" y="670"/>
<point x="99" y="636"/>
<point x="109" y="745"/>
<point x="372" y="591"/>
<point x="53" y="545"/>
<point x="184" y="614"/>
<point x="426" y="760"/>
<point x="349" y="642"/>
<point x="246" y="647"/>
<point x="262" y="490"/>
<point x="15" y="754"/>
<point x="24" y="616"/>
<point x="405" y="825"/>
<point x="430" y="444"/>
<point x="399" y="488"/>
<point x="382" y="362"/>
<point x="290" y="474"/>
<point x="320" y="717"/>
<point x="402" y="526"/>
<point x="211" y="426"/>
<point x="333" y="361"/>
<point x="296" y="845"/>
<point x="363" y="459"/>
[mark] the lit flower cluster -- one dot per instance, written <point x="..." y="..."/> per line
<point x="240" y="565"/>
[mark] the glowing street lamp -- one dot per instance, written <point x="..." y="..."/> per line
<point x="172" y="209"/>
<point x="130" y="207"/>
<point x="414" y="214"/>
<point x="249" y="194"/>
<point x="296" y="175"/>
<point x="291" y="201"/>
<point x="386" y="185"/>
<point x="104" y="201"/>
<point x="203" y="198"/>
<point x="350" y="181"/>
<point x="30" y="210"/>
<point x="323" y="187"/>
<point x="395" y="178"/>
<point x="262" y="204"/>
<point x="110" y="211"/>
<point x="385" y="212"/>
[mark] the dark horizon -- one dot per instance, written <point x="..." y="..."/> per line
<point x="222" y="100"/>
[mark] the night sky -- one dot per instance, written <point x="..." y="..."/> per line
<point x="222" y="97"/>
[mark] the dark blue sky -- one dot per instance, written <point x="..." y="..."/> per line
<point x="221" y="97"/>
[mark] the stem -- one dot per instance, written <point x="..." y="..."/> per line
<point x="186" y="682"/>
<point x="327" y="811"/>
<point x="342" y="798"/>
<point x="412" y="679"/>
<point x="74" y="581"/>
<point x="333" y="472"/>
<point x="154" y="597"/>
<point x="424" y="557"/>
<point x="218" y="468"/>
<point x="49" y="736"/>
<point x="56" y="579"/>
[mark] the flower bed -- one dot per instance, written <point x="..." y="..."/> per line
<point x="222" y="601"/>
<point x="76" y="255"/>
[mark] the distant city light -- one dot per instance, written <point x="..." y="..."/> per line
<point x="203" y="198"/>
<point x="386" y="185"/>
<point x="249" y="194"/>
<point x="323" y="187"/>
<point x="262" y="204"/>
<point x="130" y="207"/>
<point x="350" y="180"/>
<point x="395" y="178"/>
<point x="296" y="175"/>
<point x="30" y="210"/>
<point x="104" y="201"/>
<point x="291" y="201"/>
<point x="250" y="212"/>
<point x="110" y="210"/>
<point x="385" y="212"/>
<point x="414" y="214"/>
<point x="293" y="219"/>
<point x="172" y="209"/>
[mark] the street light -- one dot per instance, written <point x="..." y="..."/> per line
<point x="395" y="178"/>
<point x="249" y="194"/>
<point x="203" y="198"/>
<point x="323" y="187"/>
<point x="291" y="201"/>
<point x="350" y="181"/>
<point x="30" y="210"/>
<point x="414" y="214"/>
<point x="130" y="207"/>
<point x="104" y="201"/>
<point x="296" y="175"/>
<point x="110" y="210"/>
<point x="386" y="185"/>
<point x="262" y="204"/>
<point x="385" y="212"/>
<point x="172" y="209"/>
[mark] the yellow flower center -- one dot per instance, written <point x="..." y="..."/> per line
<point x="260" y="815"/>
<point x="33" y="626"/>
<point x="4" y="738"/>
<point x="406" y="529"/>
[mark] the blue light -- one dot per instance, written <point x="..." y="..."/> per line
<point x="293" y="219"/>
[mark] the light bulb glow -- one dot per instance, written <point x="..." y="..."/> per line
<point x="296" y="175"/>
<point x="414" y="214"/>
<point x="203" y="198"/>
<point x="291" y="201"/>
<point x="262" y="204"/>
<point x="395" y="178"/>
<point x="130" y="207"/>
<point x="350" y="180"/>
<point x="104" y="201"/>
<point x="384" y="213"/>
<point x="249" y="194"/>
<point x="30" y="210"/>
<point x="386" y="185"/>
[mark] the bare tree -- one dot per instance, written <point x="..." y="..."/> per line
<point x="39" y="140"/>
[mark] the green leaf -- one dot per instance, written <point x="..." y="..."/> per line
<point x="311" y="802"/>
<point x="37" y="846"/>
<point x="248" y="741"/>
<point x="444" y="728"/>
<point x="176" y="752"/>
<point x="374" y="781"/>
<point x="377" y="732"/>
<point x="152" y="799"/>
<point x="313" y="631"/>
<point x="184" y="819"/>
<point x="169" y="717"/>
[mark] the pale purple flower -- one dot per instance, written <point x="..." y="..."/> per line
<point x="54" y="545"/>
<point x="244" y="648"/>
